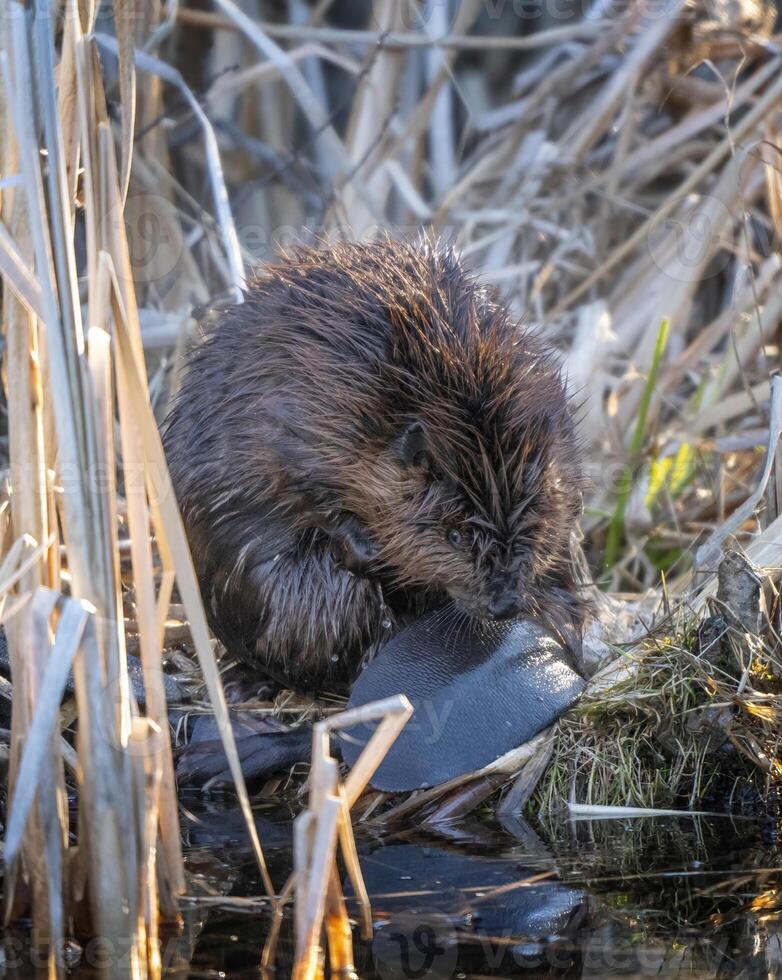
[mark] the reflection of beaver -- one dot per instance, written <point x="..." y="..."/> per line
<point x="367" y="436"/>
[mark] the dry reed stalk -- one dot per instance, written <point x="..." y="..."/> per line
<point x="53" y="260"/>
<point x="133" y="461"/>
<point x="64" y="387"/>
<point x="324" y="823"/>
<point x="229" y="85"/>
<point x="39" y="790"/>
<point x="16" y="273"/>
<point x="374" y="102"/>
<point x="754" y="118"/>
<point x="147" y="752"/>
<point x="222" y="208"/>
<point x="420" y="119"/>
<point x="29" y="525"/>
<point x="132" y="376"/>
<point x="304" y="96"/>
<point x="585" y="132"/>
<point x="709" y="552"/>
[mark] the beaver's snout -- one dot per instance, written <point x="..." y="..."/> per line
<point x="505" y="605"/>
<point x="498" y="606"/>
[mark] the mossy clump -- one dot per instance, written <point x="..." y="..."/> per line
<point x="669" y="726"/>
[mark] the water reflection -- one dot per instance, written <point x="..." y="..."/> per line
<point x="661" y="897"/>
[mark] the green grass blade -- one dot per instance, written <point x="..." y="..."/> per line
<point x="616" y="528"/>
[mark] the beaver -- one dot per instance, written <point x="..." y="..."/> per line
<point x="371" y="435"/>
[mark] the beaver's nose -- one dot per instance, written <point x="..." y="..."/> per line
<point x="503" y="606"/>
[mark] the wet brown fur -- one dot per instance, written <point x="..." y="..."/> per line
<point x="368" y="435"/>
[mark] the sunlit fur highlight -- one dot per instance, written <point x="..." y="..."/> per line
<point x="287" y="431"/>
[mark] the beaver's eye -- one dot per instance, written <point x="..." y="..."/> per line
<point x="454" y="537"/>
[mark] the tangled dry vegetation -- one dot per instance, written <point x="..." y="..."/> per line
<point x="616" y="176"/>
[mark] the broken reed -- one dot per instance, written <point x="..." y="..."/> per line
<point x="76" y="380"/>
<point x="323" y="828"/>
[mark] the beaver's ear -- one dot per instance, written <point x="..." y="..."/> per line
<point x="412" y="446"/>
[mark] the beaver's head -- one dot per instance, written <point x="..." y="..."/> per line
<point x="473" y="484"/>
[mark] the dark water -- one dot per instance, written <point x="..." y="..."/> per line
<point x="648" y="897"/>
